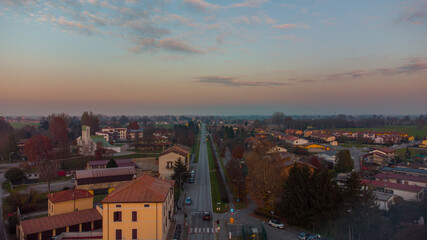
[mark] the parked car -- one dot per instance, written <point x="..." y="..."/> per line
<point x="191" y="180"/>
<point x="188" y="200"/>
<point x="207" y="216"/>
<point x="303" y="236"/>
<point x="314" y="237"/>
<point x="276" y="223"/>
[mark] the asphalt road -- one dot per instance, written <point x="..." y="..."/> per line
<point x="200" y="193"/>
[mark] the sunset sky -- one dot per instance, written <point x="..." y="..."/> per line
<point x="213" y="57"/>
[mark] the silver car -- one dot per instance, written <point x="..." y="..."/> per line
<point x="276" y="223"/>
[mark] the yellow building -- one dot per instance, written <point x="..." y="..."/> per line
<point x="69" y="201"/>
<point x="312" y="147"/>
<point x="139" y="209"/>
<point x="168" y="157"/>
<point x="423" y="144"/>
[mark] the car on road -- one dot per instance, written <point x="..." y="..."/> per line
<point x="191" y="180"/>
<point x="188" y="200"/>
<point x="207" y="216"/>
<point x="303" y="236"/>
<point x="276" y="223"/>
<point x="314" y="237"/>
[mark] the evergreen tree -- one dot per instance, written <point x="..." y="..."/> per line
<point x="407" y="153"/>
<point x="296" y="197"/>
<point x="112" y="163"/>
<point x="344" y="161"/>
<point x="11" y="148"/>
<point x="179" y="172"/>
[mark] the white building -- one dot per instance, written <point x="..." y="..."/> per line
<point x="384" y="200"/>
<point x="87" y="144"/>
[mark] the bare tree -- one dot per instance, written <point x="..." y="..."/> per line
<point x="278" y="118"/>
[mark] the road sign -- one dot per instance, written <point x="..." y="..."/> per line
<point x="232" y="210"/>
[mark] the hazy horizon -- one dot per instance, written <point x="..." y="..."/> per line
<point x="196" y="57"/>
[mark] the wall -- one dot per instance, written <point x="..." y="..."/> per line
<point x="172" y="157"/>
<point x="69" y="206"/>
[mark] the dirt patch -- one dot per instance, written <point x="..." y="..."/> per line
<point x="147" y="164"/>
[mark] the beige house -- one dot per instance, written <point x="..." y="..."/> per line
<point x="168" y="157"/>
<point x="139" y="209"/>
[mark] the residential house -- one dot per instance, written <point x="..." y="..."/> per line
<point x="402" y="179"/>
<point x="423" y="144"/>
<point x="139" y="209"/>
<point x="133" y="134"/>
<point x="154" y="143"/>
<point x="380" y="156"/>
<point x="329" y="156"/>
<point x="168" y="158"/>
<point x="407" y="192"/>
<point x="405" y="171"/>
<point x="384" y="200"/>
<point x="69" y="201"/>
<point x="87" y="144"/>
<point x="103" y="180"/>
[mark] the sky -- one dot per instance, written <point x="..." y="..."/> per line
<point x="210" y="57"/>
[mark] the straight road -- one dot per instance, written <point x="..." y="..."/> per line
<point x="200" y="193"/>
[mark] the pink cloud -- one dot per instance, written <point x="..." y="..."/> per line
<point x="290" y="26"/>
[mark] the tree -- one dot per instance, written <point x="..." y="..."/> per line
<point x="407" y="153"/>
<point x="278" y="119"/>
<point x="362" y="210"/>
<point x="39" y="152"/>
<point x="11" y="148"/>
<point x="89" y="119"/>
<point x="133" y="125"/>
<point x="112" y="163"/>
<point x="15" y="175"/>
<point x="180" y="173"/>
<point x="99" y="151"/>
<point x="263" y="178"/>
<point x="123" y="120"/>
<point x="314" y="160"/>
<point x="58" y="131"/>
<point x="344" y="161"/>
<point x="237" y="152"/>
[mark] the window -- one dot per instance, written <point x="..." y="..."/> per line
<point x="134" y="217"/>
<point x="118" y="234"/>
<point x="117" y="216"/>
<point x="134" y="233"/>
<point x="389" y="191"/>
<point x="146" y="205"/>
<point x="118" y="206"/>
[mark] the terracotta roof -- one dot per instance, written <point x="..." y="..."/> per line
<point x="127" y="162"/>
<point x="69" y="195"/>
<point x="401" y="177"/>
<point x="142" y="189"/>
<point x="176" y="149"/>
<point x="398" y="186"/>
<point x="59" y="221"/>
<point x="104" y="172"/>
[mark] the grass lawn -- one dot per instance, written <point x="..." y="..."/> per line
<point x="99" y="198"/>
<point x="414" y="151"/>
<point x="216" y="197"/>
<point x="410" y="129"/>
<point x="357" y="145"/>
<point x="21" y="125"/>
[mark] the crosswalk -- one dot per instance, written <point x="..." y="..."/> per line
<point x="206" y="230"/>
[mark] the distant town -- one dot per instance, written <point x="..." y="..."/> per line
<point x="206" y="177"/>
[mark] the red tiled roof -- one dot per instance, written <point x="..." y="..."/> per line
<point x="176" y="149"/>
<point x="401" y="177"/>
<point x="37" y="225"/>
<point x="69" y="195"/>
<point x="403" y="187"/>
<point x="142" y="189"/>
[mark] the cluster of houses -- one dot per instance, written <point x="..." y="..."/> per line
<point x="116" y="140"/>
<point x="136" y="206"/>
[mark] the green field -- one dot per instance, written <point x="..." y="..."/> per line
<point x="410" y="129"/>
<point x="216" y="197"/>
<point x="21" y="125"/>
